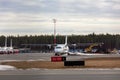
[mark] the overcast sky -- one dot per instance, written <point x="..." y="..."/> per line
<point x="30" y="17"/>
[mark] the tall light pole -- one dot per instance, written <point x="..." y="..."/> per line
<point x="54" y="21"/>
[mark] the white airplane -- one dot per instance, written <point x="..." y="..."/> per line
<point x="10" y="49"/>
<point x="61" y="48"/>
<point x="6" y="49"/>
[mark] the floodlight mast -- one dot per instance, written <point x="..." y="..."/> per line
<point x="54" y="21"/>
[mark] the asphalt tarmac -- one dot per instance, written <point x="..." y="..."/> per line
<point x="56" y="74"/>
<point x="26" y="57"/>
<point x="61" y="74"/>
<point x="46" y="57"/>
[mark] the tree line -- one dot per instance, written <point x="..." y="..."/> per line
<point x="110" y="41"/>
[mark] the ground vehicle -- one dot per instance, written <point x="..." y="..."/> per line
<point x="89" y="49"/>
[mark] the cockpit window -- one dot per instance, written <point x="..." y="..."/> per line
<point x="58" y="47"/>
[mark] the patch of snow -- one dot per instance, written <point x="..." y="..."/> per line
<point x="7" y="67"/>
<point x="36" y="60"/>
<point x="9" y="60"/>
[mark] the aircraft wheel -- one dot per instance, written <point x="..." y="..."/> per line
<point x="56" y="54"/>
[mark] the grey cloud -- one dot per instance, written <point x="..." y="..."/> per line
<point x="95" y="8"/>
<point x="64" y="10"/>
<point x="23" y="30"/>
<point x="82" y="7"/>
<point x="24" y="6"/>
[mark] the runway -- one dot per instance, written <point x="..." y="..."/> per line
<point x="45" y="57"/>
<point x="26" y="57"/>
<point x="56" y="74"/>
<point x="61" y="74"/>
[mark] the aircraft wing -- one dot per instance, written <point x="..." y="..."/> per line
<point x="49" y="45"/>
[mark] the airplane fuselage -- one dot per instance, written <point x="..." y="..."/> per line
<point x="61" y="49"/>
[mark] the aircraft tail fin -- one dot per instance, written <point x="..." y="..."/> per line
<point x="66" y="40"/>
<point x="11" y="43"/>
<point x="5" y="41"/>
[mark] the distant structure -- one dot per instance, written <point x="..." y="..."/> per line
<point x="54" y="21"/>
